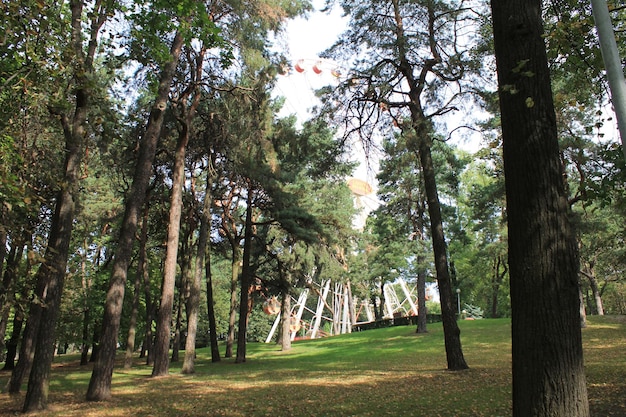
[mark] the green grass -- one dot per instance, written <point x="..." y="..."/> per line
<point x="385" y="372"/>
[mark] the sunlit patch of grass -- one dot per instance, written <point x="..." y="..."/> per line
<point x="384" y="372"/>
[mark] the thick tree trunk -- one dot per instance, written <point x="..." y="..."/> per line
<point x="100" y="383"/>
<point x="51" y="273"/>
<point x="548" y="372"/>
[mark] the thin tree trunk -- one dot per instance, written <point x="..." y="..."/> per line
<point x="583" y="312"/>
<point x="595" y="290"/>
<point x="192" y="305"/>
<point x="27" y="350"/>
<point x="215" y="352"/>
<point x="351" y="307"/>
<point x="246" y="280"/>
<point x="500" y="270"/>
<point x="422" y="313"/>
<point x="25" y="358"/>
<point x="95" y="341"/>
<point x="232" y="316"/>
<point x="285" y="320"/>
<point x="18" y="322"/>
<point x="142" y="271"/>
<point x="100" y="383"/>
<point x="86" y="288"/>
<point x="7" y="289"/>
<point x="452" y="333"/>
<point x="145" y="276"/>
<point x="84" y="349"/>
<point x="164" y="319"/>
<point x="3" y="249"/>
<point x="205" y="247"/>
<point x="194" y="276"/>
<point x="422" y="143"/>
<point x="134" y="311"/>
<point x="179" y="315"/>
<point x="202" y="264"/>
<point x="547" y="354"/>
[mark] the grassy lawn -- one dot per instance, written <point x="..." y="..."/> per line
<point x="385" y="372"/>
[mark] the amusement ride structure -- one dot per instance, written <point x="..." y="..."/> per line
<point x="329" y="308"/>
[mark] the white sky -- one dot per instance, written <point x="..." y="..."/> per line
<point x="306" y="39"/>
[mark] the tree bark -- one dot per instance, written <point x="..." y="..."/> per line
<point x="548" y="372"/>
<point x="232" y="316"/>
<point x="203" y="262"/>
<point x="51" y="273"/>
<point x="193" y="306"/>
<point x="86" y="288"/>
<point x="164" y="317"/>
<point x="500" y="270"/>
<point x="589" y="272"/>
<point x="18" y="322"/>
<point x="7" y="288"/>
<point x="422" y="312"/>
<point x="161" y="364"/>
<point x="451" y="331"/>
<point x="246" y="280"/>
<point x="422" y="145"/>
<point x="142" y="275"/>
<point x="134" y="311"/>
<point x="177" y="326"/>
<point x="285" y="315"/>
<point x="100" y="383"/>
<point x="145" y="276"/>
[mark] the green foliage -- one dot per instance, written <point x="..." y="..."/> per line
<point x="153" y="23"/>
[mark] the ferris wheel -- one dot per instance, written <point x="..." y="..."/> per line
<point x="298" y="80"/>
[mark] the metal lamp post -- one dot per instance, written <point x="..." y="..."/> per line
<point x="458" y="300"/>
